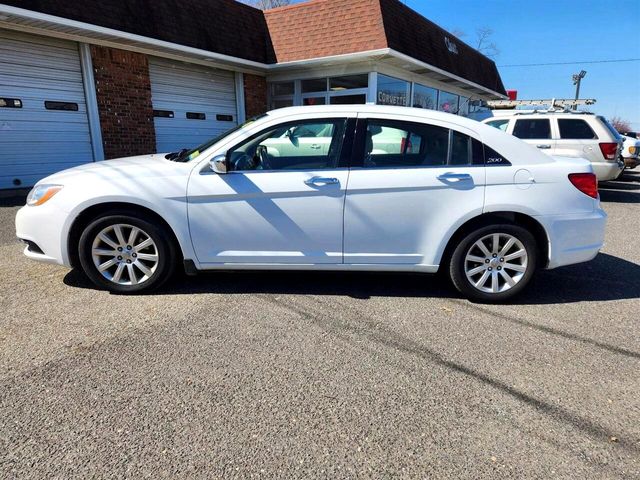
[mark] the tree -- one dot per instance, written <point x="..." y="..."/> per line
<point x="620" y="124"/>
<point x="484" y="44"/>
<point x="267" y="4"/>
<point x="482" y="41"/>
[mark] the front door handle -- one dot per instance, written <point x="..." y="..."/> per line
<point x="458" y="177"/>
<point x="319" y="181"/>
<point x="315" y="146"/>
<point x="543" y="146"/>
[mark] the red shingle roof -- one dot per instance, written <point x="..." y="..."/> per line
<point x="322" y="28"/>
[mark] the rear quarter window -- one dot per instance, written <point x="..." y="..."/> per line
<point x="575" y="129"/>
<point x="609" y="127"/>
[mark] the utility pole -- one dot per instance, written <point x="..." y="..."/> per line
<point x="577" y="78"/>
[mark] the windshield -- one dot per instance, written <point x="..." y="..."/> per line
<point x="188" y="154"/>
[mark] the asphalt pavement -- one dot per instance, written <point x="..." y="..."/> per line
<point x="323" y="374"/>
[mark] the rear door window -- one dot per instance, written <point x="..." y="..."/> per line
<point x="575" y="129"/>
<point x="393" y="143"/>
<point x="534" y="128"/>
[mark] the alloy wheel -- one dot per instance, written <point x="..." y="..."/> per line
<point x="496" y="263"/>
<point x="125" y="254"/>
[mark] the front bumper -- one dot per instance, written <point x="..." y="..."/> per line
<point x="43" y="225"/>
<point x="631" y="162"/>
<point x="574" y="238"/>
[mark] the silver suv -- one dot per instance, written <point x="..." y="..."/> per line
<point x="567" y="134"/>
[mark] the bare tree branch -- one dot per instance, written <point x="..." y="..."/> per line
<point x="484" y="44"/>
<point x="620" y="124"/>
<point x="482" y="41"/>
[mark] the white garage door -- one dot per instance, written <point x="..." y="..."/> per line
<point x="191" y="103"/>
<point x="43" y="117"/>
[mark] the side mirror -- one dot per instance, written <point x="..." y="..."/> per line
<point x="219" y="164"/>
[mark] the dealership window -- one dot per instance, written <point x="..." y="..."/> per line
<point x="392" y="91"/>
<point x="313" y="100"/>
<point x="341" y="90"/>
<point x="348" y="82"/>
<point x="463" y="108"/>
<point x="314" y="85"/>
<point x="281" y="94"/>
<point x="281" y="103"/>
<point x="448" y="102"/>
<point x="360" y="98"/>
<point x="425" y="97"/>
<point x="282" y="88"/>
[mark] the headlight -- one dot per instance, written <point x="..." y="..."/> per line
<point x="632" y="150"/>
<point x="41" y="194"/>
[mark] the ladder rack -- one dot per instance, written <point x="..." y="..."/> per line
<point x="553" y="103"/>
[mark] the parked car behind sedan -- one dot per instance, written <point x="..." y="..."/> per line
<point x="630" y="151"/>
<point x="567" y="133"/>
<point x="395" y="189"/>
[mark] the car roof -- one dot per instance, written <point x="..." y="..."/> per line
<point x="427" y="114"/>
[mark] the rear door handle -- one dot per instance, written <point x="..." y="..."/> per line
<point x="543" y="146"/>
<point x="319" y="181"/>
<point x="447" y="177"/>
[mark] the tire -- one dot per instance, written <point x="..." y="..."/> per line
<point x="150" y="260"/>
<point x="472" y="270"/>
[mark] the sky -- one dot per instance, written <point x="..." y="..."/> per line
<point x="549" y="31"/>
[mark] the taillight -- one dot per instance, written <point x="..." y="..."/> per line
<point x="587" y="183"/>
<point x="609" y="150"/>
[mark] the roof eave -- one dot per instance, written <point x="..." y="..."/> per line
<point x="16" y="18"/>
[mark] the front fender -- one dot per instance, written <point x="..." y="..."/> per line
<point x="173" y="210"/>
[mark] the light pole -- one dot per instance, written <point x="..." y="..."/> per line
<point x="577" y="78"/>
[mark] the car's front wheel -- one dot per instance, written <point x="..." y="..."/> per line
<point x="126" y="254"/>
<point x="494" y="263"/>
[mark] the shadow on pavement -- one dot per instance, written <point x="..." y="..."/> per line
<point x="626" y="189"/>
<point x="605" y="278"/>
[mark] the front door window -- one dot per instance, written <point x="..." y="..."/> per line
<point x="309" y="145"/>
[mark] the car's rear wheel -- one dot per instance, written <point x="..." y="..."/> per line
<point x="494" y="263"/>
<point x="126" y="254"/>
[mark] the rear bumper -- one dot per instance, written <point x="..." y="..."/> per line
<point x="574" y="238"/>
<point x="607" y="170"/>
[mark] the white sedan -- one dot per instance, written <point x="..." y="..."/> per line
<point x="365" y="188"/>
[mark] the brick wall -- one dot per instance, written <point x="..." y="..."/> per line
<point x="123" y="89"/>
<point x="255" y="95"/>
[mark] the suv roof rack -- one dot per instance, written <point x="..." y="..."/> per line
<point x="555" y="104"/>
